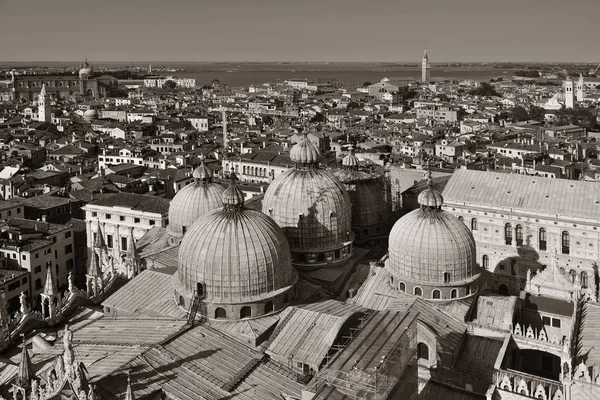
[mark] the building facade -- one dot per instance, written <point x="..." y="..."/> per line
<point x="517" y="229"/>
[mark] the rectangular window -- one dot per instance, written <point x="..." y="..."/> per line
<point x="37" y="255"/>
<point x="546" y="321"/>
<point x="24" y="257"/>
<point x="19" y="210"/>
<point x="109" y="241"/>
<point x="136" y="220"/>
<point x="67" y="235"/>
<point x="24" y="281"/>
<point x="124" y="243"/>
<point x="68" y="249"/>
<point x="94" y="214"/>
<point x="70" y="264"/>
<point x="38" y="283"/>
<point x="38" y="269"/>
<point x="152" y="222"/>
<point x="108" y="216"/>
<point x="121" y="218"/>
<point x="556" y="322"/>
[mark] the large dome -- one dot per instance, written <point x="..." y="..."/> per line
<point x="431" y="252"/>
<point x="239" y="259"/>
<point x="313" y="208"/>
<point x="370" y="210"/>
<point x="90" y="115"/>
<point x="196" y="199"/>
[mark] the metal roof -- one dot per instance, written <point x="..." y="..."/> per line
<point x="560" y="197"/>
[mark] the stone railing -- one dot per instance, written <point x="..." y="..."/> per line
<point x="71" y="301"/>
<point x="528" y="332"/>
<point x="530" y="386"/>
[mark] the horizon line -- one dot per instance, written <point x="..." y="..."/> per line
<point x="304" y="62"/>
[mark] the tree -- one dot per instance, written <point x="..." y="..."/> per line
<point x="519" y="113"/>
<point x="353" y="105"/>
<point x="367" y="83"/>
<point x="319" y="117"/>
<point x="170" y="85"/>
<point x="484" y="90"/>
<point x="267" y="120"/>
<point x="537" y="113"/>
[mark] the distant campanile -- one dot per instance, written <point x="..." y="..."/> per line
<point x="425" y="67"/>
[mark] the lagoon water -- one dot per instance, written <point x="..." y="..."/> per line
<point x="244" y="74"/>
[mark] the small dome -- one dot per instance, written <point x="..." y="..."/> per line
<point x="430" y="198"/>
<point x="90" y="115"/>
<point x="196" y="199"/>
<point x="233" y="197"/>
<point x="87" y="70"/>
<point x="305" y="152"/>
<point x="238" y="255"/>
<point x="351" y="161"/>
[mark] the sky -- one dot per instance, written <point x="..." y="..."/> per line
<point x="300" y="30"/>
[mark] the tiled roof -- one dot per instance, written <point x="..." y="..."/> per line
<point x="138" y="202"/>
<point x="563" y="197"/>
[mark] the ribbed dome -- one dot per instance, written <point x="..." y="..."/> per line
<point x="190" y="203"/>
<point x="239" y="256"/>
<point x="428" y="243"/>
<point x="305" y="152"/>
<point x="313" y="208"/>
<point x="430" y="198"/>
<point x="351" y="161"/>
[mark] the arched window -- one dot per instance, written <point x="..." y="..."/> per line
<point x="268" y="307"/>
<point x="519" y="231"/>
<point x="220" y="313"/>
<point x="402" y="287"/>
<point x="436" y="294"/>
<point x="245" y="312"/>
<point x="454" y="294"/>
<point x="503" y="289"/>
<point x="573" y="275"/>
<point x="200" y="289"/>
<point x="485" y="262"/>
<point x="508" y="234"/>
<point x="468" y="290"/>
<point x="474" y="224"/>
<point x="461" y="219"/>
<point x="181" y="301"/>
<point x="584" y="279"/>
<point x="418" y="291"/>
<point x="542" y="239"/>
<point x="447" y="277"/>
<point x="422" y="351"/>
<point x="565" y="242"/>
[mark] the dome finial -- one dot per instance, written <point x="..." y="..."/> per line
<point x="233" y="197"/>
<point x="430" y="197"/>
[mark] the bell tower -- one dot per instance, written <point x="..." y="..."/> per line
<point x="425" y="68"/>
<point x="43" y="106"/>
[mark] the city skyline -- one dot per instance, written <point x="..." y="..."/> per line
<point x="269" y="31"/>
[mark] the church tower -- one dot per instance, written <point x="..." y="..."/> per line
<point x="579" y="88"/>
<point x="425" y="67"/>
<point x="43" y="106"/>
<point x="569" y="93"/>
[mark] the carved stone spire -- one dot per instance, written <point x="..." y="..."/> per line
<point x="25" y="373"/>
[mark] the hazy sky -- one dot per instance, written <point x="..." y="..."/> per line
<point x="299" y="30"/>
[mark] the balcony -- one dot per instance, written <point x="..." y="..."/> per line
<point x="527" y="385"/>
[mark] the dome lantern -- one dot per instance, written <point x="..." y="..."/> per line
<point x="233" y="197"/>
<point x="351" y="162"/>
<point x="202" y="173"/>
<point x="305" y="154"/>
<point x="430" y="198"/>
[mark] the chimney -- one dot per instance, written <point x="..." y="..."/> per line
<point x="44" y="218"/>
